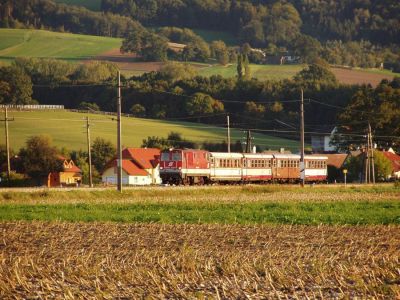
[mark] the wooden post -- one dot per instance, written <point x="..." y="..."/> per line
<point x="119" y="137"/>
<point x="228" y="133"/>
<point x="6" y="119"/>
<point x="372" y="154"/>
<point x="302" y="164"/>
<point x="89" y="152"/>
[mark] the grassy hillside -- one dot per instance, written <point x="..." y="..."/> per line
<point x="261" y="72"/>
<point x="90" y="4"/>
<point x="67" y="130"/>
<point x="40" y="43"/>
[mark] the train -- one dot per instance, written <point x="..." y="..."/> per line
<point x="199" y="167"/>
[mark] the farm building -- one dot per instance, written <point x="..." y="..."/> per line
<point x="140" y="166"/>
<point x="70" y="176"/>
<point x="395" y="160"/>
<point x="321" y="140"/>
<point x="335" y="166"/>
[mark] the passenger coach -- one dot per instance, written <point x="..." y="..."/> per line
<point x="202" y="167"/>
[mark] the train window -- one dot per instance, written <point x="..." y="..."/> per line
<point x="165" y="156"/>
<point x="176" y="156"/>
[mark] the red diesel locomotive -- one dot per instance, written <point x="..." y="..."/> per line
<point x="202" y="167"/>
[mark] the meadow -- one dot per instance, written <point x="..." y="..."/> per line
<point x="262" y="72"/>
<point x="41" y="43"/>
<point x="249" y="204"/>
<point x="67" y="130"/>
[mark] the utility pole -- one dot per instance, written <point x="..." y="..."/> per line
<point x="119" y="137"/>
<point x="248" y="142"/>
<point x="89" y="152"/>
<point x="229" y="133"/>
<point x="302" y="165"/>
<point x="372" y="153"/>
<point x="367" y="165"/>
<point x="6" y="119"/>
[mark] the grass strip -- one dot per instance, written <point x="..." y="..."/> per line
<point x="310" y="213"/>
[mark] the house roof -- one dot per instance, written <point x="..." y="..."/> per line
<point x="147" y="158"/>
<point x="336" y="160"/>
<point x="394" y="158"/>
<point x="129" y="167"/>
<point x="72" y="169"/>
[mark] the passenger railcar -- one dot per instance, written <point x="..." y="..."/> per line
<point x="202" y="167"/>
<point x="225" y="166"/>
<point x="257" y="167"/>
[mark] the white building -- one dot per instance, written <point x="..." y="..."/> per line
<point x="140" y="166"/>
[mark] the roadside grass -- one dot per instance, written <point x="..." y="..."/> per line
<point x="217" y="204"/>
<point x="66" y="129"/>
<point x="41" y="43"/>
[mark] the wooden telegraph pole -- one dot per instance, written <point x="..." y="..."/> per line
<point x="89" y="151"/>
<point x="6" y="119"/>
<point x="119" y="137"/>
<point x="228" y="133"/>
<point x="302" y="165"/>
<point x="372" y="153"/>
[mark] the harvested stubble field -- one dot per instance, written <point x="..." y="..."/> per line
<point x="155" y="261"/>
<point x="219" y="242"/>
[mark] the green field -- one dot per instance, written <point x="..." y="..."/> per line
<point x="89" y="4"/>
<point x="262" y="72"/>
<point x="67" y="130"/>
<point x="197" y="205"/>
<point x="41" y="43"/>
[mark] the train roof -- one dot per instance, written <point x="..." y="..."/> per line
<point x="257" y="155"/>
<point x="315" y="157"/>
<point x="286" y="156"/>
<point x="226" y="155"/>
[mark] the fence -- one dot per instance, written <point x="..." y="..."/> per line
<point x="32" y="107"/>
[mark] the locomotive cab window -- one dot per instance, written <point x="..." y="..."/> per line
<point x="176" y="156"/>
<point x="165" y="156"/>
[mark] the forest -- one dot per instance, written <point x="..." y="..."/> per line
<point x="363" y="33"/>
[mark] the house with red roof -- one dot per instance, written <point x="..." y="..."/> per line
<point x="395" y="160"/>
<point x="140" y="166"/>
<point x="71" y="175"/>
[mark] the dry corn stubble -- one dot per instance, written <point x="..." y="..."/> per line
<point x="103" y="260"/>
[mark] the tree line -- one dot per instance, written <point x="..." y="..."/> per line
<point x="272" y="21"/>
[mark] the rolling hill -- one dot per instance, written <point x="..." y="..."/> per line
<point x="76" y="48"/>
<point x="41" y="43"/>
<point x="68" y="130"/>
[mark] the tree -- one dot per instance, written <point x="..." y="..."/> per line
<point x="203" y="104"/>
<point x="102" y="152"/>
<point x="383" y="166"/>
<point x="88" y="106"/>
<point x="316" y="76"/>
<point x="243" y="67"/>
<point x="15" y="86"/>
<point x="138" y="110"/>
<point x="307" y="48"/>
<point x="282" y="24"/>
<point x="39" y="157"/>
<point x="146" y="44"/>
<point x="174" y="71"/>
<point x="220" y="52"/>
